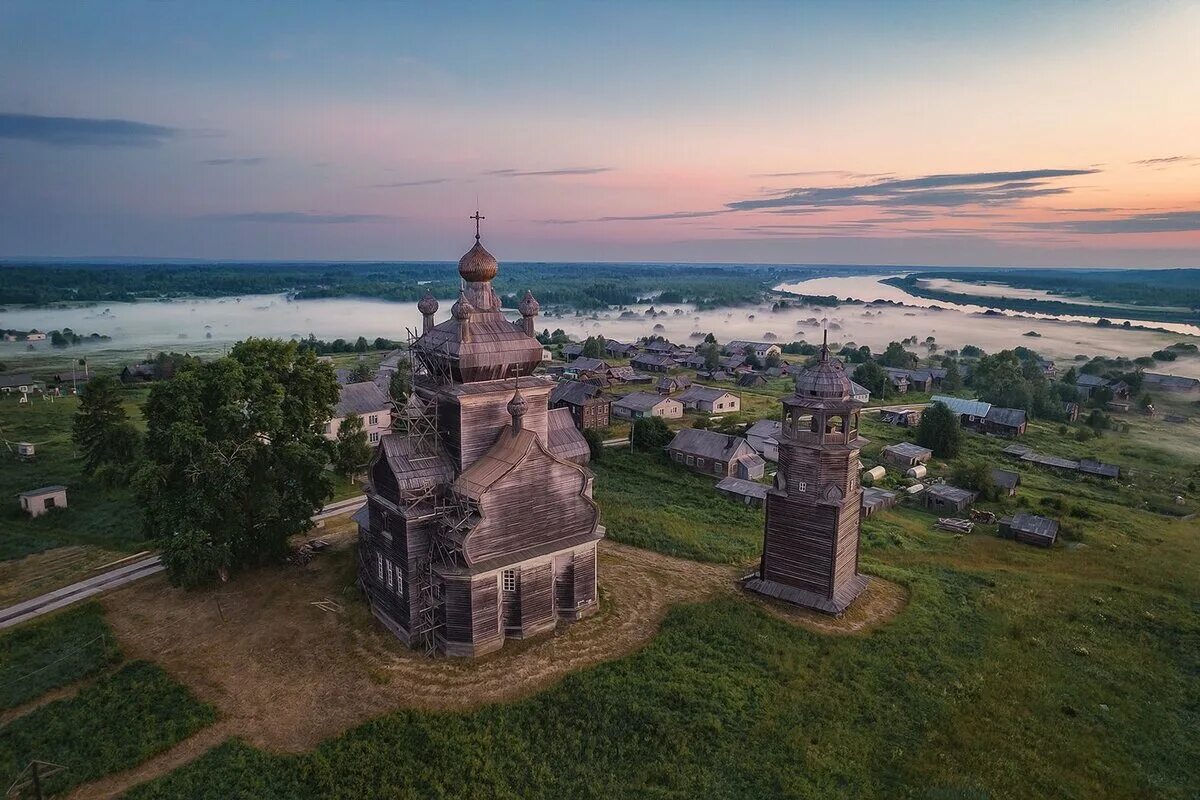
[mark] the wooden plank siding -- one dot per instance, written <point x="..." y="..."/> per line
<point x="537" y="597"/>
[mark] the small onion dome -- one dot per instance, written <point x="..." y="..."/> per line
<point x="462" y="308"/>
<point x="428" y="304"/>
<point x="529" y="305"/>
<point x="826" y="379"/>
<point x="517" y="405"/>
<point x="478" y="265"/>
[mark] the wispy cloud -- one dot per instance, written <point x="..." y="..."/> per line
<point x="1167" y="161"/>
<point x="639" y="218"/>
<point x="812" y="173"/>
<point x="943" y="190"/>
<point x="84" y="131"/>
<point x="402" y="184"/>
<point x="297" y="217"/>
<point x="546" y="173"/>
<point x="1158" y="222"/>
<point x="233" y="162"/>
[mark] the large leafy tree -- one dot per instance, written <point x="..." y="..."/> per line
<point x="352" y="450"/>
<point x="874" y="378"/>
<point x="102" y="430"/>
<point x="651" y="433"/>
<point x="896" y="356"/>
<point x="939" y="431"/>
<point x="236" y="458"/>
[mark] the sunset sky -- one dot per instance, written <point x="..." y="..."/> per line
<point x="949" y="133"/>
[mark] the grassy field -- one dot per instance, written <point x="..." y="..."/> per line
<point x="44" y="655"/>
<point x="95" y="515"/>
<point x="113" y="724"/>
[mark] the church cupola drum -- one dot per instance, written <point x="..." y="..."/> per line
<point x="814" y="510"/>
<point x="480" y="525"/>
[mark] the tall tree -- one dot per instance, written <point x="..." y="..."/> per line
<point x="952" y="381"/>
<point x="236" y="458"/>
<point x="939" y="431"/>
<point x="102" y="429"/>
<point x="593" y="347"/>
<point x="401" y="382"/>
<point x="874" y="378"/>
<point x="896" y="356"/>
<point x="651" y="433"/>
<point x="712" y="356"/>
<point x="352" y="450"/>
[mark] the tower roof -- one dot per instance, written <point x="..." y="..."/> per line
<point x="478" y="265"/>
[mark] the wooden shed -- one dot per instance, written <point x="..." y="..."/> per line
<point x="1030" y="529"/>
<point x="1006" y="480"/>
<point x="906" y="454"/>
<point x="877" y="500"/>
<point x="36" y="502"/>
<point x="751" y="493"/>
<point x="943" y="498"/>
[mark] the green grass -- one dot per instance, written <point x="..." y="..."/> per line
<point x="648" y="502"/>
<point x="116" y="723"/>
<point x="44" y="655"/>
<point x="95" y="515"/>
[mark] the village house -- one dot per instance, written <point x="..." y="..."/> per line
<point x="943" y="498"/>
<point x="139" y="373"/>
<point x="628" y="374"/>
<point x="35" y="336"/>
<point x="694" y="361"/>
<point x="716" y="454"/>
<point x="733" y="363"/>
<point x="585" y="364"/>
<point x="760" y="349"/>
<point x="859" y="393"/>
<point x="1087" y="385"/>
<point x="906" y="454"/>
<point x="651" y="362"/>
<point x="36" y="502"/>
<point x="367" y="401"/>
<point x="1029" y="528"/>
<point x="587" y="405"/>
<point x="615" y="349"/>
<point x="1004" y="421"/>
<point x="751" y="493"/>
<point x="751" y="380"/>
<point x="914" y="380"/>
<point x="479" y="526"/>
<point x="1090" y="466"/>
<point x="20" y="382"/>
<point x="659" y="348"/>
<point x="1157" y="382"/>
<point x="763" y="436"/>
<point x="1048" y="369"/>
<point x="643" y="404"/>
<point x="709" y="400"/>
<point x="970" y="412"/>
<point x="572" y="351"/>
<point x="673" y="383"/>
<point x="903" y="417"/>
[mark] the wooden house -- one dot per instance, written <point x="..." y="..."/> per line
<point x="651" y="362"/>
<point x="36" y="502"/>
<point x="903" y="417"/>
<point x="759" y="349"/>
<point x="906" y="454"/>
<point x="970" y="412"/>
<point x="942" y="498"/>
<point x="1009" y="422"/>
<point x="1030" y="529"/>
<point x="672" y="384"/>
<point x="139" y="373"/>
<point x="764" y="437"/>
<point x="588" y="406"/>
<point x="615" y="349"/>
<point x="814" y="508"/>
<point x="661" y="348"/>
<point x="572" y="351"/>
<point x="716" y="454"/>
<point x="20" y="382"/>
<point x="644" y="404"/>
<point x="751" y="493"/>
<point x="1157" y="382"/>
<point x="479" y="525"/>
<point x="708" y="400"/>
<point x="583" y="365"/>
<point x="751" y="380"/>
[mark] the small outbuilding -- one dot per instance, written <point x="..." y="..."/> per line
<point x="906" y="454"/>
<point x="1006" y="481"/>
<point x="1030" y="529"/>
<point x="38" y="501"/>
<point x="876" y="500"/>
<point x="26" y="451"/>
<point x="751" y="493"/>
<point x="945" y="498"/>
<point x="1090" y="466"/>
<point x="874" y="474"/>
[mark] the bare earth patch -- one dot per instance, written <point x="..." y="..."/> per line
<point x="285" y="674"/>
<point x="880" y="602"/>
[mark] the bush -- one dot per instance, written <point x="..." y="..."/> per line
<point x="595" y="442"/>
<point x="939" y="431"/>
<point x="651" y="433"/>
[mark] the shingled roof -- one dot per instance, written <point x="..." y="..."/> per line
<point x="707" y="444"/>
<point x="360" y="398"/>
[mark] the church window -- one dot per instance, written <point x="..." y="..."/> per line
<point x="801" y="486"/>
<point x="508" y="580"/>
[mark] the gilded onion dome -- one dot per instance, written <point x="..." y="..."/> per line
<point x="428" y="304"/>
<point x="529" y="306"/>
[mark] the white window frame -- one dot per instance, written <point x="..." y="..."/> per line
<point x="508" y="580"/>
<point x="399" y="580"/>
<point x="379" y="565"/>
<point x="801" y="486"/>
<point x="373" y="419"/>
<point x="388" y="569"/>
<point x="374" y="437"/>
<point x="691" y="461"/>
<point x="699" y="463"/>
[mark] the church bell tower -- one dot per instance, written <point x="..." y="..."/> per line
<point x="814" y="510"/>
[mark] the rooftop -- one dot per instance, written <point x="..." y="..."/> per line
<point x="706" y="444"/>
<point x="360" y="398"/>
<point x="972" y="408"/>
<point x="642" y="401"/>
<point x="745" y="488"/>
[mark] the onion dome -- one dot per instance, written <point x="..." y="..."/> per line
<point x="462" y="308"/>
<point x="825" y="380"/>
<point x="428" y="304"/>
<point x="529" y="306"/>
<point x="477" y="265"/>
<point x="517" y="405"/>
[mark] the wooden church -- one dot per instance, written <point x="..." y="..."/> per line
<point x="814" y="509"/>
<point x="480" y="525"/>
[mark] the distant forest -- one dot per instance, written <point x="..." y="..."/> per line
<point x="583" y="286"/>
<point x="1161" y="294"/>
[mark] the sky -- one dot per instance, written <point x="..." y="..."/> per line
<point x="909" y="133"/>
